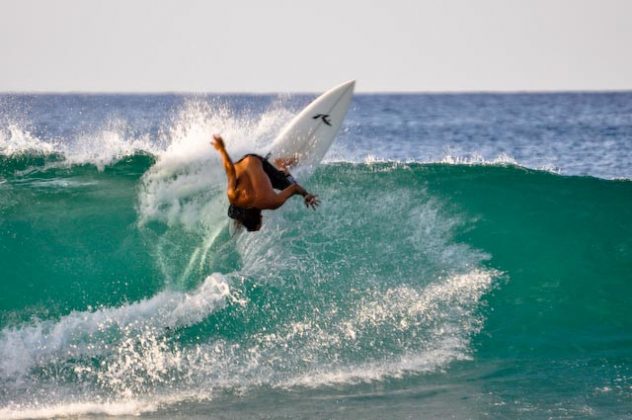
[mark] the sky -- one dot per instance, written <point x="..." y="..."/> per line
<point x="308" y="46"/>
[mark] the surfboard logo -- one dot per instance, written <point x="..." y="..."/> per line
<point x="323" y="117"/>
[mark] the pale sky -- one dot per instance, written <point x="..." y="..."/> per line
<point x="309" y="46"/>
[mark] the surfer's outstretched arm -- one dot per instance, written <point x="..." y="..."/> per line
<point x="231" y="175"/>
<point x="277" y="200"/>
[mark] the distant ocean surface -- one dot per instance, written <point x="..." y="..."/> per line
<point x="472" y="258"/>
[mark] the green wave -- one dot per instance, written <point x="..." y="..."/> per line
<point x="68" y="236"/>
<point x="70" y="240"/>
<point x="503" y="281"/>
<point x="564" y="245"/>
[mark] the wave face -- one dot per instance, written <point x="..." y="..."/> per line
<point x="413" y="286"/>
<point x="407" y="270"/>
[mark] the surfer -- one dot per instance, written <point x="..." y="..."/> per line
<point x="252" y="181"/>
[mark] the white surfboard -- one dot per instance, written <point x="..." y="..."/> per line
<point x="310" y="134"/>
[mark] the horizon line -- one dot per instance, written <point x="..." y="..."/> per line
<point x="265" y="93"/>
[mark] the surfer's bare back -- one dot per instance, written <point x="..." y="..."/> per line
<point x="252" y="181"/>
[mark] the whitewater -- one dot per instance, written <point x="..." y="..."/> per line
<point x="472" y="257"/>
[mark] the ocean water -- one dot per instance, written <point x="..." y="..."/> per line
<point x="472" y="258"/>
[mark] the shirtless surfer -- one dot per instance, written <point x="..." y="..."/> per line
<point x="252" y="181"/>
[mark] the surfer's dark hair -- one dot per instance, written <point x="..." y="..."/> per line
<point x="250" y="218"/>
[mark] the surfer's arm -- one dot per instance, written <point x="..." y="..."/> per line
<point x="310" y="200"/>
<point x="276" y="200"/>
<point x="229" y="167"/>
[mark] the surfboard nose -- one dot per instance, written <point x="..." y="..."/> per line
<point x="350" y="84"/>
<point x="346" y="86"/>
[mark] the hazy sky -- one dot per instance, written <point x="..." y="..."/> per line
<point x="308" y="46"/>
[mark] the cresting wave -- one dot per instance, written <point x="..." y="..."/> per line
<point x="344" y="296"/>
<point x="300" y="313"/>
<point x="183" y="136"/>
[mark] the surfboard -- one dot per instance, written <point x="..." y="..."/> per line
<point x="308" y="136"/>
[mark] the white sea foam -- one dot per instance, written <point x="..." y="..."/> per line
<point x="76" y="334"/>
<point x="17" y="140"/>
<point x="108" y="145"/>
<point x="420" y="362"/>
<point x="477" y="159"/>
<point x="73" y="409"/>
<point x="102" y="147"/>
<point x="443" y="314"/>
<point x="468" y="159"/>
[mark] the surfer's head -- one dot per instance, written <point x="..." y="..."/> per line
<point x="250" y="218"/>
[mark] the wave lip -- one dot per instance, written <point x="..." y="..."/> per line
<point x="77" y="334"/>
<point x="16" y="141"/>
<point x="101" y="148"/>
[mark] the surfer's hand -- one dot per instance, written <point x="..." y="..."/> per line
<point x="218" y="142"/>
<point x="312" y="201"/>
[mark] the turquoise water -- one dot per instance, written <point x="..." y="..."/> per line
<point x="418" y="289"/>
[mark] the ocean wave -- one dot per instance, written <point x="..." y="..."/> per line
<point x="101" y="149"/>
<point x="81" y="334"/>
<point x="406" y="270"/>
<point x="296" y="354"/>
